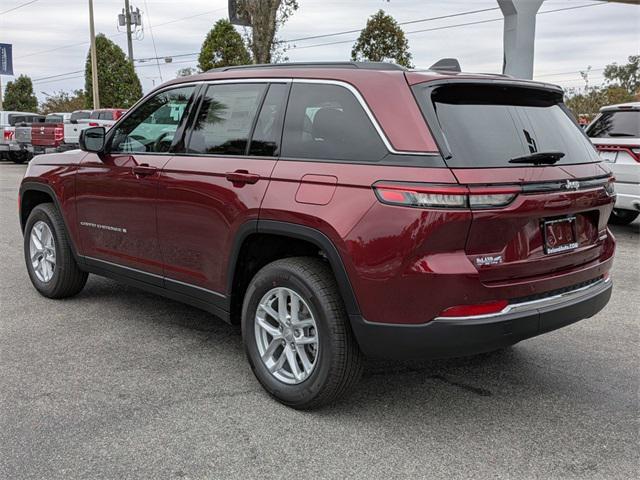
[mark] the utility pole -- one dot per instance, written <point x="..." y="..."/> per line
<point x="127" y="16"/>
<point x="94" y="59"/>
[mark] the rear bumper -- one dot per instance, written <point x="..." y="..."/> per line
<point x="454" y="337"/>
<point x="627" y="196"/>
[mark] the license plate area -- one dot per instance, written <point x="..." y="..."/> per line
<point x="560" y="235"/>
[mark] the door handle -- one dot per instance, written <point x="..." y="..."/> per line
<point x="242" y="176"/>
<point x="144" y="170"/>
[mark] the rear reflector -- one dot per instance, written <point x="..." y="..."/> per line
<point x="444" y="196"/>
<point x="487" y="308"/>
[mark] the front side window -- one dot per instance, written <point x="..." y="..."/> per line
<point x="152" y="126"/>
<point x="224" y="122"/>
<point x="327" y="122"/>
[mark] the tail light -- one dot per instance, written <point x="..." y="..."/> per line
<point x="634" y="152"/>
<point x="93" y="124"/>
<point x="610" y="188"/>
<point x="486" y="308"/>
<point x="444" y="196"/>
<point x="8" y="134"/>
<point x="58" y="134"/>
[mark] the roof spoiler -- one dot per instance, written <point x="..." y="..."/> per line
<point x="446" y="65"/>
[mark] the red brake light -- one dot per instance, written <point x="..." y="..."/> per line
<point x="93" y="124"/>
<point x="486" y="308"/>
<point x="444" y="196"/>
<point x="8" y="134"/>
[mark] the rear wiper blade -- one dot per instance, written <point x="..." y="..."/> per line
<point x="539" y="158"/>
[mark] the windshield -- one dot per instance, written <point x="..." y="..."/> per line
<point x="488" y="125"/>
<point x="617" y="124"/>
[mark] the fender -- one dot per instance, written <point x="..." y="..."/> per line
<point x="312" y="235"/>
<point x="43" y="187"/>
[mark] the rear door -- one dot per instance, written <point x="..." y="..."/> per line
<point x="208" y="192"/>
<point x="555" y="215"/>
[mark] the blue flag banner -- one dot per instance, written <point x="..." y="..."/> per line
<point x="6" y="59"/>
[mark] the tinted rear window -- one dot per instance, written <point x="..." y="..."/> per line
<point x="79" y="115"/>
<point x="616" y="125"/>
<point x="54" y="119"/>
<point x="486" y="126"/>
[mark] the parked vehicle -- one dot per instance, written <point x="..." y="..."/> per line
<point x="9" y="148"/>
<point x="47" y="137"/>
<point x="377" y="217"/>
<point x="23" y="127"/>
<point x="616" y="134"/>
<point x="104" y="117"/>
<point x="72" y="129"/>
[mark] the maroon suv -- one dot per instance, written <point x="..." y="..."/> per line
<point x="336" y="211"/>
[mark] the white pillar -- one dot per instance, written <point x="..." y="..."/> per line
<point x="519" y="36"/>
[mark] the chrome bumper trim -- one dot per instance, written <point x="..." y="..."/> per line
<point x="534" y="305"/>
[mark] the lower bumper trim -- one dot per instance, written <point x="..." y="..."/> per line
<point x="445" y="337"/>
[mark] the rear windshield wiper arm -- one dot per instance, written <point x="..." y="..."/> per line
<point x="539" y="158"/>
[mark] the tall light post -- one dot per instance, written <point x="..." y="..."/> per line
<point x="94" y="59"/>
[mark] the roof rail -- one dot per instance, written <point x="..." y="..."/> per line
<point x="359" y="65"/>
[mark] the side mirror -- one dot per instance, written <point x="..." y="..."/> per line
<point x="92" y="139"/>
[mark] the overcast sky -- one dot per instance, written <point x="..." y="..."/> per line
<point x="50" y="37"/>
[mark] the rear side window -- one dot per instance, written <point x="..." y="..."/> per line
<point x="486" y="126"/>
<point x="618" y="124"/>
<point x="268" y="129"/>
<point x="224" y="122"/>
<point x="326" y="122"/>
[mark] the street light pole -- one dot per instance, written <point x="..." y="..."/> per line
<point x="94" y="59"/>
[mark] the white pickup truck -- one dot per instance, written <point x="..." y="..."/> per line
<point x="9" y="147"/>
<point x="72" y="128"/>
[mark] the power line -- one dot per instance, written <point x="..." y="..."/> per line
<point x="19" y="6"/>
<point x="153" y="39"/>
<point x="445" y="27"/>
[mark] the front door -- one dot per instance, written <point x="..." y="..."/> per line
<point x="117" y="191"/>
<point x="210" y="191"/>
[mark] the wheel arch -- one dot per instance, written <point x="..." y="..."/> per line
<point x="31" y="195"/>
<point x="300" y="236"/>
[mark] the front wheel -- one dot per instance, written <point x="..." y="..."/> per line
<point x="622" y="217"/>
<point x="297" y="334"/>
<point x="52" y="268"/>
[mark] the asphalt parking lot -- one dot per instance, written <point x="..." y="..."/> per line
<point x="118" y="383"/>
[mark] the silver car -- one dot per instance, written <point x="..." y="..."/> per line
<point x="616" y="134"/>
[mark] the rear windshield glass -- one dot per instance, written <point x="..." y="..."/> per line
<point x="486" y="126"/>
<point x="79" y="116"/>
<point x="616" y="125"/>
<point x="54" y="119"/>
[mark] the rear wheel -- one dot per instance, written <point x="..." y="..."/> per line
<point x="622" y="217"/>
<point x="297" y="335"/>
<point x="19" y="157"/>
<point x="50" y="262"/>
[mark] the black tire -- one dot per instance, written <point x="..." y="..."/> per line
<point x="19" y="158"/>
<point x="622" y="217"/>
<point x="67" y="280"/>
<point x="339" y="361"/>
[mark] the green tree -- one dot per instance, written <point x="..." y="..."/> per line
<point x="19" y="95"/>
<point x="223" y="47"/>
<point x="119" y="85"/>
<point x="265" y="17"/>
<point x="186" y="72"/>
<point x="627" y="76"/>
<point x="382" y="40"/>
<point x="63" y="102"/>
<point x="586" y="102"/>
